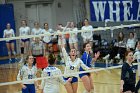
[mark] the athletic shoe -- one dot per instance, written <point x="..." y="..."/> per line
<point x="106" y="57"/>
<point x="10" y="60"/>
<point x="120" y="62"/>
<point x="118" y="56"/>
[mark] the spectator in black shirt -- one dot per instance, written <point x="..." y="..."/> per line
<point x="128" y="74"/>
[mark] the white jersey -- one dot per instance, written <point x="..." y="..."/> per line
<point x="47" y="38"/>
<point x="51" y="84"/>
<point x="8" y="33"/>
<point x="137" y="57"/>
<point x="131" y="43"/>
<point x="73" y="36"/>
<point x="26" y="73"/>
<point x="87" y="35"/>
<point x="72" y="67"/>
<point x="36" y="31"/>
<point x="24" y="31"/>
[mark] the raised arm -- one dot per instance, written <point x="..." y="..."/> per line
<point x="43" y="81"/>
<point x="64" y="52"/>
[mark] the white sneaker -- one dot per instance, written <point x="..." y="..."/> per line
<point x="106" y="57"/>
<point x="21" y="60"/>
<point x="10" y="60"/>
<point x="120" y="62"/>
<point x="16" y="59"/>
<point x="106" y="62"/>
<point x="118" y="56"/>
<point x="111" y="61"/>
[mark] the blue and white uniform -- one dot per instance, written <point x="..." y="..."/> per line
<point x="86" y="58"/>
<point x="73" y="36"/>
<point x="8" y="34"/>
<point x="72" y="67"/>
<point x="87" y="35"/>
<point x="137" y="57"/>
<point x="26" y="73"/>
<point x="36" y="32"/>
<point x="52" y="84"/>
<point x="23" y="31"/>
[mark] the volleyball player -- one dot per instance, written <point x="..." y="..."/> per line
<point x="128" y="74"/>
<point x="52" y="84"/>
<point x="24" y="30"/>
<point x="47" y="39"/>
<point x="131" y="41"/>
<point x="36" y="30"/>
<point x="87" y="36"/>
<point x="73" y="37"/>
<point x="28" y="71"/>
<point x="72" y="65"/>
<point x="60" y="36"/>
<point x="87" y="60"/>
<point x="37" y="49"/>
<point x="8" y="33"/>
<point x="137" y="57"/>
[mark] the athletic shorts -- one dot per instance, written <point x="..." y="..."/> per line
<point x="48" y="42"/>
<point x="25" y="40"/>
<point x="30" y="88"/>
<point x="73" y="40"/>
<point x="74" y="79"/>
<point x="84" y="74"/>
<point x="127" y="87"/>
<point x="90" y="40"/>
<point x="10" y="41"/>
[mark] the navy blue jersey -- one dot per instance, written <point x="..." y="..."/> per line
<point x="128" y="74"/>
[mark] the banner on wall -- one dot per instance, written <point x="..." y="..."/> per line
<point x="6" y="16"/>
<point x="115" y="10"/>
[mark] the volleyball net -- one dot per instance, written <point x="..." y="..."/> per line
<point x="8" y="72"/>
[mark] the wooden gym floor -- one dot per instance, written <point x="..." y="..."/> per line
<point x="107" y="81"/>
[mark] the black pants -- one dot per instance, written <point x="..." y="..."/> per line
<point x="129" y="87"/>
<point x="117" y="50"/>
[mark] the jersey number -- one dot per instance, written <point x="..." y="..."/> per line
<point x="72" y="67"/>
<point x="30" y="76"/>
<point x="49" y="73"/>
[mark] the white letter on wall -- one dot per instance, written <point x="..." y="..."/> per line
<point x="99" y="8"/>
<point x="127" y="10"/>
<point x="138" y="14"/>
<point x="112" y="11"/>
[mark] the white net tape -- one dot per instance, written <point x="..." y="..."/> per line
<point x="79" y="31"/>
